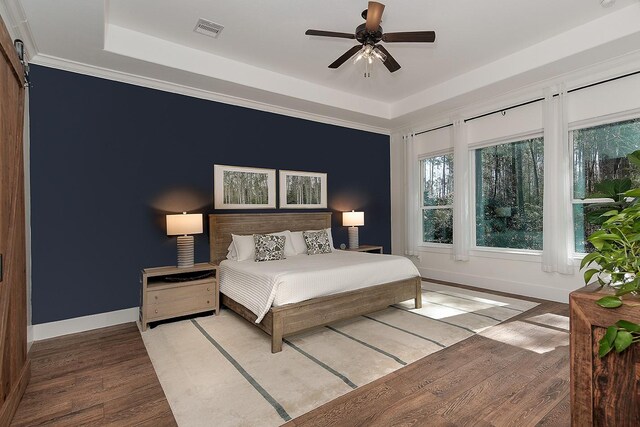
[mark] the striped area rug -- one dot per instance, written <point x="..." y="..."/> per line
<point x="220" y="370"/>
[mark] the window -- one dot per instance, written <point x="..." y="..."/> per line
<point x="436" y="185"/>
<point x="509" y="187"/>
<point x="600" y="169"/>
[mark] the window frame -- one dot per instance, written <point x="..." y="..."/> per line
<point x="585" y="124"/>
<point x="422" y="157"/>
<point x="520" y="254"/>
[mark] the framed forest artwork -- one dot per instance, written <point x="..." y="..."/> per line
<point x="237" y="187"/>
<point x="303" y="190"/>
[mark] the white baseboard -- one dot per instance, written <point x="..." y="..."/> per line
<point x="29" y="337"/>
<point x="509" y="286"/>
<point x="85" y="323"/>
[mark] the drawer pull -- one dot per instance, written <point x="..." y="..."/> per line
<point x="208" y="289"/>
<point x="156" y="296"/>
<point x="207" y="301"/>
<point x="156" y="311"/>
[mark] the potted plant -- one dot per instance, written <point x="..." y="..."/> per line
<point x="616" y="264"/>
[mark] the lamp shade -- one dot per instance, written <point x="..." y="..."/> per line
<point x="352" y="219"/>
<point x="184" y="224"/>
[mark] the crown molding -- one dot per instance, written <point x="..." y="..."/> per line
<point x="119" y="76"/>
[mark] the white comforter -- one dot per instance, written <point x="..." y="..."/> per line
<point x="259" y="285"/>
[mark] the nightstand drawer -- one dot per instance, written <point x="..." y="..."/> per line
<point x="178" y="301"/>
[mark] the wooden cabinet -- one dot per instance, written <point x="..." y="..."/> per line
<point x="169" y="292"/>
<point x="604" y="392"/>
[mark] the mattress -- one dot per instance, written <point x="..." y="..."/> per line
<point x="260" y="285"/>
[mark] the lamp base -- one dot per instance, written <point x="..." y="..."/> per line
<point x="185" y="251"/>
<point x="353" y="238"/>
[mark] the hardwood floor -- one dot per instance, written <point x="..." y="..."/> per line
<point x="518" y="375"/>
<point x="477" y="382"/>
<point x="101" y="377"/>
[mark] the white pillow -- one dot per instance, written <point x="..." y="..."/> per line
<point x="289" y="249"/>
<point x="231" y="252"/>
<point x="298" y="242"/>
<point x="245" y="246"/>
<point x="304" y="251"/>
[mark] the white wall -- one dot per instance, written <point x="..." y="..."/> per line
<point x="519" y="273"/>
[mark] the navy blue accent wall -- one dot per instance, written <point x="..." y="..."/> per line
<point x="109" y="160"/>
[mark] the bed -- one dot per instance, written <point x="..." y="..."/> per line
<point x="290" y="318"/>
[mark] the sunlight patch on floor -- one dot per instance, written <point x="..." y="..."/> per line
<point x="531" y="337"/>
<point x="550" y="319"/>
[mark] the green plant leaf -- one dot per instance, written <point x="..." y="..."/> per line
<point x="634" y="237"/>
<point x="627" y="288"/>
<point x="623" y="340"/>
<point x="610" y="213"/>
<point x="609" y="301"/>
<point x="633" y="193"/>
<point x="610" y="335"/>
<point x="588" y="259"/>
<point x="604" y="348"/>
<point x="605" y="236"/>
<point x="606" y="343"/>
<point x="589" y="274"/>
<point x="634" y="158"/>
<point x="629" y="326"/>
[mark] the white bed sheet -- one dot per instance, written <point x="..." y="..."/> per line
<point x="259" y="285"/>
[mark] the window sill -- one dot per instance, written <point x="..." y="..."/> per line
<point x="508" y="254"/>
<point x="439" y="248"/>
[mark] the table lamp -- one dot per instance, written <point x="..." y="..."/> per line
<point x="353" y="220"/>
<point x="182" y="225"/>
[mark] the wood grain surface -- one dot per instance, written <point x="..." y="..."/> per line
<point x="14" y="363"/>
<point x="101" y="377"/>
<point x="604" y="392"/>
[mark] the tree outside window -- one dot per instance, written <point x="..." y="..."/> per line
<point x="436" y="184"/>
<point x="601" y="170"/>
<point x="509" y="180"/>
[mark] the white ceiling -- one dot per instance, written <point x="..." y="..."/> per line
<point x="263" y="57"/>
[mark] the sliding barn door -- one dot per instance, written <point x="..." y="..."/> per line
<point x="14" y="363"/>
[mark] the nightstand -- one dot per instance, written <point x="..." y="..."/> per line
<point x="169" y="292"/>
<point x="367" y="248"/>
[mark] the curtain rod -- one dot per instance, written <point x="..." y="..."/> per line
<point x="532" y="101"/>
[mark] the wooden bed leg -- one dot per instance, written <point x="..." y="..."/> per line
<point x="419" y="294"/>
<point x="276" y="334"/>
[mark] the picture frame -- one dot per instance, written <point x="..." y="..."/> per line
<point x="237" y="187"/>
<point x="302" y="190"/>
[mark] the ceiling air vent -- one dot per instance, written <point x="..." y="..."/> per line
<point x="208" y="28"/>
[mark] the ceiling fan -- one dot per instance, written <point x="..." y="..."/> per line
<point x="369" y="35"/>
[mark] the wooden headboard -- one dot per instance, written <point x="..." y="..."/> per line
<point x="222" y="226"/>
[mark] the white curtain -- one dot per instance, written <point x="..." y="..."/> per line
<point x="413" y="201"/>
<point x="461" y="216"/>
<point x="557" y="216"/>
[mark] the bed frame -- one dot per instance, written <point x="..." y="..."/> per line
<point x="293" y="318"/>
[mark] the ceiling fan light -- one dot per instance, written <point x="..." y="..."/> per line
<point x="378" y="54"/>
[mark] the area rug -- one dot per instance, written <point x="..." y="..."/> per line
<point x="219" y="370"/>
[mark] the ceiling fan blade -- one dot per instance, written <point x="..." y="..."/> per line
<point x="345" y="57"/>
<point x="410" y="37"/>
<point x="374" y="16"/>
<point x="390" y="61"/>
<point x="330" y="34"/>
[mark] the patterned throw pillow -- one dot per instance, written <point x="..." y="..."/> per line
<point x="269" y="247"/>
<point x="317" y="242"/>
